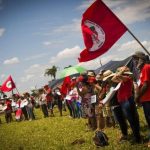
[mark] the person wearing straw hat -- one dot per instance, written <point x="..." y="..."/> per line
<point x="106" y="113"/>
<point x="126" y="100"/>
<point x="111" y="98"/>
<point x="143" y="96"/>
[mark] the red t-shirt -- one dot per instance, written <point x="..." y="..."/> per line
<point x="125" y="90"/>
<point x="8" y="104"/>
<point x="145" y="77"/>
<point x="48" y="95"/>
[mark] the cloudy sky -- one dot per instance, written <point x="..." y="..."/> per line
<point x="36" y="34"/>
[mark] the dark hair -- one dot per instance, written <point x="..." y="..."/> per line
<point x="147" y="59"/>
<point x="4" y="96"/>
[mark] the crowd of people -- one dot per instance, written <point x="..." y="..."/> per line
<point x="104" y="99"/>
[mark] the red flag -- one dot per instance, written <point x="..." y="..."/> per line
<point x="100" y="29"/>
<point x="8" y="85"/>
<point x="66" y="85"/>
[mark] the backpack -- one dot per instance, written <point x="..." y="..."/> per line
<point x="100" y="139"/>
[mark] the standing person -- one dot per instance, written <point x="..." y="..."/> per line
<point x="126" y="100"/>
<point x="8" y="110"/>
<point x="29" y="106"/>
<point x="43" y="102"/>
<point x="105" y="92"/>
<point x="87" y="92"/>
<point x="143" y="96"/>
<point x="74" y="96"/>
<point x="96" y="89"/>
<point x="49" y="99"/>
<point x="23" y="106"/>
<point x="111" y="98"/>
<point x="18" y="114"/>
<point x="58" y="99"/>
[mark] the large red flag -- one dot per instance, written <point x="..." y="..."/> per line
<point x="100" y="29"/>
<point x="8" y="85"/>
<point x="66" y="85"/>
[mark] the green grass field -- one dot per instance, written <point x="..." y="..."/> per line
<point x="57" y="133"/>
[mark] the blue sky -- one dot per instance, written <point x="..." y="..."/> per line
<point x="36" y="34"/>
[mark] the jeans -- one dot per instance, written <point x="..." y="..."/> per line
<point x="118" y="115"/>
<point x="44" y="110"/>
<point x="30" y="112"/>
<point x="24" y="110"/>
<point x="146" y="108"/>
<point x="69" y="108"/>
<point x="131" y="114"/>
<point x="50" y="105"/>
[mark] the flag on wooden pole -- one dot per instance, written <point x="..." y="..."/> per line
<point x="100" y="29"/>
<point x="8" y="85"/>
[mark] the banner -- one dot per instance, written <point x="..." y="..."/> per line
<point x="8" y="85"/>
<point x="100" y="29"/>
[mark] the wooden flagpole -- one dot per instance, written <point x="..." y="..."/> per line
<point x="17" y="90"/>
<point x="139" y="42"/>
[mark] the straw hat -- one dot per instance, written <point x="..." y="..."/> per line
<point x="74" y="78"/>
<point x="99" y="77"/>
<point x="107" y="74"/>
<point x="126" y="70"/>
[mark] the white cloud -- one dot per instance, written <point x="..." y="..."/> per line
<point x="133" y="46"/>
<point x="36" y="69"/>
<point x="128" y="11"/>
<point x="37" y="56"/>
<point x="67" y="53"/>
<point x="135" y="12"/>
<point x="34" y="77"/>
<point x="2" y="31"/>
<point x="47" y="43"/>
<point x="94" y="64"/>
<point x="34" y="73"/>
<point x="84" y="5"/>
<point x="3" y="76"/>
<point x="27" y="77"/>
<point x="11" y="61"/>
<point x="90" y="65"/>
<point x="72" y="27"/>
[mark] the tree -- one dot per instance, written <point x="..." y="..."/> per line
<point x="51" y="72"/>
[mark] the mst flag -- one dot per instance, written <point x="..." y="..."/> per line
<point x="8" y="85"/>
<point x="100" y="29"/>
<point x="66" y="85"/>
